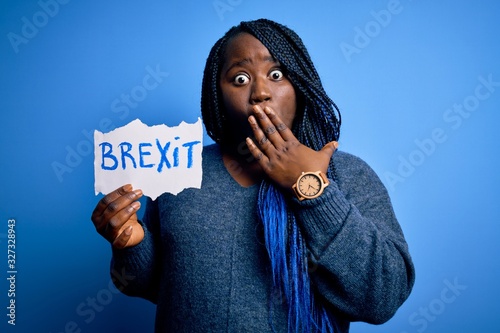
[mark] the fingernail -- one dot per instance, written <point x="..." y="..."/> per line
<point x="138" y="192"/>
<point x="136" y="205"/>
<point x="127" y="187"/>
<point x="252" y="120"/>
<point x="335" y="144"/>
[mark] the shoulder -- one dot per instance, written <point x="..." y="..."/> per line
<point x="349" y="163"/>
<point x="354" y="173"/>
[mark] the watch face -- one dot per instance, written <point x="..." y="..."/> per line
<point x="309" y="185"/>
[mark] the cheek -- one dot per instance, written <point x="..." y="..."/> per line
<point x="236" y="115"/>
<point x="289" y="103"/>
<point x="234" y="103"/>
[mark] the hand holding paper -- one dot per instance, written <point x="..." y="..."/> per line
<point x="115" y="217"/>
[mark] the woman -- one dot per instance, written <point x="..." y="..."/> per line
<point x="286" y="234"/>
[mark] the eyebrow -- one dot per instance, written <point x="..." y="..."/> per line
<point x="247" y="60"/>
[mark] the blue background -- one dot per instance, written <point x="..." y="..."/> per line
<point x="395" y="90"/>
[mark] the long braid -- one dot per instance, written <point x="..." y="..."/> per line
<point x="316" y="124"/>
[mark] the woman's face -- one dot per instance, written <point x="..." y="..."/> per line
<point x="251" y="76"/>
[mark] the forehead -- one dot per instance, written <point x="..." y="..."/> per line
<point x="245" y="46"/>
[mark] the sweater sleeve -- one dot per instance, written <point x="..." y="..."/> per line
<point x="359" y="258"/>
<point x="138" y="264"/>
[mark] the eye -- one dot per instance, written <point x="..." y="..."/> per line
<point x="276" y="74"/>
<point x="241" y="79"/>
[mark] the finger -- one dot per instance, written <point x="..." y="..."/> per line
<point x="257" y="153"/>
<point x="260" y="137"/>
<point x="109" y="198"/>
<point x="116" y="224"/>
<point x="267" y="127"/>
<point x="125" y="204"/>
<point x="284" y="131"/>
<point x="330" y="148"/>
<point x="121" y="241"/>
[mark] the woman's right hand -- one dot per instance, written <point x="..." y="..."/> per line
<point x="115" y="217"/>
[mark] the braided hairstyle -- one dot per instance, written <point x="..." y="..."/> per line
<point x="316" y="123"/>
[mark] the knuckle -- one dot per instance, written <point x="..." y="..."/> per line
<point x="122" y="191"/>
<point x="270" y="130"/>
<point x="283" y="149"/>
<point x="293" y="143"/>
<point x="281" y="127"/>
<point x="263" y="140"/>
<point x="106" y="200"/>
<point x="113" y="207"/>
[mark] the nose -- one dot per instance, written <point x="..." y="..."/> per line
<point x="261" y="92"/>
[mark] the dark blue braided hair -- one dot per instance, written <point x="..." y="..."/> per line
<point x="317" y="122"/>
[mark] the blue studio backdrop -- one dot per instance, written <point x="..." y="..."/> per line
<point x="417" y="81"/>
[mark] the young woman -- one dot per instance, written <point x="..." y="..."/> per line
<point x="286" y="234"/>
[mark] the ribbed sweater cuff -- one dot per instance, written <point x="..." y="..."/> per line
<point x="321" y="219"/>
<point x="135" y="258"/>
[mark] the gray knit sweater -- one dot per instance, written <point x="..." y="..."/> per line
<point x="204" y="264"/>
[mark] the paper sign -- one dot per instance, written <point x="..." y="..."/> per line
<point x="155" y="159"/>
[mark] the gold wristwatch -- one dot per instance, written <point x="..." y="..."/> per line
<point x="310" y="185"/>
